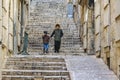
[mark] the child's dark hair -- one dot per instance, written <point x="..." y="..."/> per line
<point x="45" y="32"/>
<point x="57" y="25"/>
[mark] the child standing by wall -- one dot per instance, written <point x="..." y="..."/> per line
<point x="46" y="39"/>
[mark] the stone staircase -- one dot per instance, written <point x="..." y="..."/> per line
<point x="44" y="14"/>
<point x="35" y="68"/>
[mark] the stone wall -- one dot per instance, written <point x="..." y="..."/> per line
<point x="107" y="20"/>
<point x="10" y="27"/>
<point x="86" y="26"/>
<point x="107" y="36"/>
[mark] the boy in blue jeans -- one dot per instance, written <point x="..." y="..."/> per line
<point x="46" y="39"/>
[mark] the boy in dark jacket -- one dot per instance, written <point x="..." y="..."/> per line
<point x="46" y="39"/>
<point x="58" y="33"/>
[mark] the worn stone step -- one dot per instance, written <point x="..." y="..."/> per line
<point x="36" y="72"/>
<point x="16" y="77"/>
<point x="36" y="67"/>
<point x="28" y="63"/>
<point x="44" y="59"/>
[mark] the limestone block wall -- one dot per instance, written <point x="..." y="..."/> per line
<point x="108" y="26"/>
<point x="97" y="26"/>
<point x="4" y="30"/>
<point x="0" y="33"/>
<point x="103" y="29"/>
<point x="114" y="36"/>
<point x="5" y="23"/>
<point x="115" y="39"/>
<point x="10" y="27"/>
<point x="87" y="26"/>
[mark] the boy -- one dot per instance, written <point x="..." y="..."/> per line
<point x="58" y="34"/>
<point x="46" y="39"/>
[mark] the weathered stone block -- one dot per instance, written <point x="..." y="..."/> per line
<point x="10" y="41"/>
<point x="117" y="28"/>
<point x="10" y="26"/>
<point x="85" y="42"/>
<point x="106" y="37"/>
<point x="97" y="42"/>
<point x="106" y="2"/>
<point x="4" y="36"/>
<point x="107" y="16"/>
<point x="85" y="29"/>
<point x="39" y="78"/>
<point x="97" y="25"/>
<point x="5" y="4"/>
<point x="11" y="9"/>
<point x="117" y="9"/>
<point x="5" y="18"/>
<point x="97" y="8"/>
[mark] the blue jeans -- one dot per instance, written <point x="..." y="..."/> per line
<point x="45" y="47"/>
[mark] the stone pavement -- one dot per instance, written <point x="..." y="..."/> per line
<point x="88" y="68"/>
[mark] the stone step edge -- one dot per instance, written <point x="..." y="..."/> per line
<point x="40" y="66"/>
<point x="11" y="70"/>
<point x="35" y="56"/>
<point x="34" y="61"/>
<point x="22" y="76"/>
<point x="14" y="62"/>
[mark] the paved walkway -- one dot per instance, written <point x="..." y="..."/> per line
<point x="88" y="68"/>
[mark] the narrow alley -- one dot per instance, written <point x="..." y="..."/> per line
<point x="89" y="44"/>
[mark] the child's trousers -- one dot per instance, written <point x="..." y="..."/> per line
<point x="45" y="47"/>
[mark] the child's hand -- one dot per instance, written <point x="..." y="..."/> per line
<point x="50" y="38"/>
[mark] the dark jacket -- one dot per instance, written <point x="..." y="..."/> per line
<point x="58" y="33"/>
<point x="46" y="39"/>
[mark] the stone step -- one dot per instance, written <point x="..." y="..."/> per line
<point x="64" y="52"/>
<point x="62" y="48"/>
<point x="51" y="49"/>
<point x="35" y="72"/>
<point x="23" y="67"/>
<point x="40" y="44"/>
<point x="28" y="63"/>
<point x="31" y="61"/>
<point x="72" y="51"/>
<point x="36" y="67"/>
<point x="9" y="77"/>
<point x="44" y="59"/>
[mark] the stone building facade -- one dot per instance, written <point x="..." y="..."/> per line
<point x="13" y="19"/>
<point x="86" y="21"/>
<point x="107" y="35"/>
<point x="99" y="30"/>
